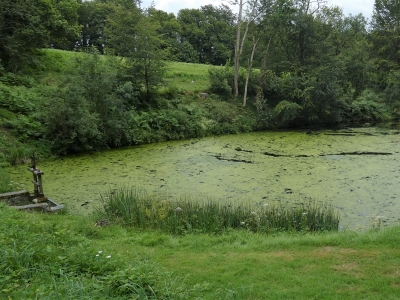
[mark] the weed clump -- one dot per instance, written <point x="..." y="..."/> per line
<point x="135" y="208"/>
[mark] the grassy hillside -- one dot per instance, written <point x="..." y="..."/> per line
<point x="67" y="257"/>
<point x="187" y="77"/>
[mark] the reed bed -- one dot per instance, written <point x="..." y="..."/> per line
<point x="136" y="208"/>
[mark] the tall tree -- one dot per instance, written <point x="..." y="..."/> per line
<point x="385" y="37"/>
<point x="26" y="25"/>
<point x="92" y="18"/>
<point x="132" y="35"/>
<point x="208" y="31"/>
<point x="65" y="28"/>
<point x="241" y="37"/>
<point x="168" y="29"/>
<point x="321" y="62"/>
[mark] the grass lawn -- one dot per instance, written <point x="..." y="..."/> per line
<point x="57" y="257"/>
<point x="186" y="77"/>
<point x="248" y="266"/>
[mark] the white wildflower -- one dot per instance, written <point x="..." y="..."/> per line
<point x="108" y="256"/>
<point x="100" y="252"/>
<point x="242" y="223"/>
<point x="178" y="209"/>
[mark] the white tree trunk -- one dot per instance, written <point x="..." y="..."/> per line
<point x="253" y="50"/>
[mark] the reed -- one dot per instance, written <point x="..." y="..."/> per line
<point x="132" y="207"/>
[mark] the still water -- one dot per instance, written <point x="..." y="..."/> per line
<point x="356" y="170"/>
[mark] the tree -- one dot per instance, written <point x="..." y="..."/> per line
<point x="219" y="29"/>
<point x="65" y="28"/>
<point x="209" y="31"/>
<point x="168" y="29"/>
<point x="385" y="37"/>
<point x="240" y="38"/>
<point x="132" y="35"/>
<point x="262" y="31"/>
<point x="192" y="22"/>
<point x="26" y="25"/>
<point x="92" y="18"/>
<point x="91" y="109"/>
<point x="320" y="57"/>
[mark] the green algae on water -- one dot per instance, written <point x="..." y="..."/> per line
<point x="356" y="170"/>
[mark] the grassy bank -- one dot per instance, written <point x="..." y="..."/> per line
<point x="58" y="257"/>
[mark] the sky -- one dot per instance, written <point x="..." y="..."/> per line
<point x="353" y="7"/>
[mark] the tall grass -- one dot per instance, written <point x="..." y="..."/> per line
<point x="135" y="208"/>
<point x="42" y="259"/>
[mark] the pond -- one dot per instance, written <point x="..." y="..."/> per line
<point x="356" y="170"/>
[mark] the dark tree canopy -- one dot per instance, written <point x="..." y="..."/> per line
<point x="26" y="25"/>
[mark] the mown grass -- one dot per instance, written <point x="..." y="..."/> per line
<point x="132" y="207"/>
<point x="55" y="257"/>
<point x="187" y="77"/>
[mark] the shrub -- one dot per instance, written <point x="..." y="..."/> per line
<point x="175" y="123"/>
<point x="219" y="81"/>
<point x="368" y="107"/>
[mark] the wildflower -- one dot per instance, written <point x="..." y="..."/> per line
<point x="178" y="209"/>
<point x="304" y="213"/>
<point x="242" y="223"/>
<point x="253" y="213"/>
<point x="97" y="255"/>
<point x="108" y="256"/>
<point x="100" y="252"/>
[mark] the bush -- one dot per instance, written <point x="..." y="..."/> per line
<point x="175" y="123"/>
<point x="18" y="99"/>
<point x="219" y="81"/>
<point x="225" y="118"/>
<point x="368" y="107"/>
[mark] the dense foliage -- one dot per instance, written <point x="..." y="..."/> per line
<point x="294" y="63"/>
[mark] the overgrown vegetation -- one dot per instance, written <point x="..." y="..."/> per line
<point x="48" y="260"/>
<point x="89" y="103"/>
<point x="135" y="208"/>
<point x="67" y="257"/>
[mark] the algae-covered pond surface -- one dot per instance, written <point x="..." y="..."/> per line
<point x="356" y="170"/>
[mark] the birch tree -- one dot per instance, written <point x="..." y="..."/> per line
<point x="250" y="7"/>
